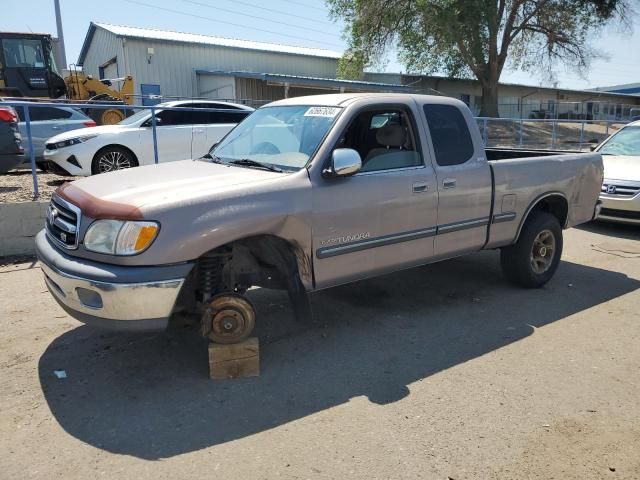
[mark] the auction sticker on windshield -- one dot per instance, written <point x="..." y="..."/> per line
<point x="329" y="112"/>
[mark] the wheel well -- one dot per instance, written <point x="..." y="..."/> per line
<point x="114" y="145"/>
<point x="266" y="261"/>
<point x="555" y="204"/>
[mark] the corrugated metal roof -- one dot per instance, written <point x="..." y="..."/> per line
<point x="166" y="35"/>
<point x="302" y="80"/>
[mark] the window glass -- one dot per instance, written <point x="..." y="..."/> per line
<point x="177" y="117"/>
<point x="19" y="52"/>
<point x="43" y="113"/>
<point x="384" y="139"/>
<point x="285" y="137"/>
<point x="450" y="135"/>
<point x="625" y="142"/>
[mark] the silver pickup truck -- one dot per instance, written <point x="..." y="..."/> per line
<point x="305" y="194"/>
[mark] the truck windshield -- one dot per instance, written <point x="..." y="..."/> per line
<point x="625" y="142"/>
<point x="283" y="137"/>
<point x="20" y="52"/>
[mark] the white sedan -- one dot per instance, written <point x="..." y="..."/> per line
<point x="180" y="135"/>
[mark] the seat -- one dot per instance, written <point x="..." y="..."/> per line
<point x="392" y="155"/>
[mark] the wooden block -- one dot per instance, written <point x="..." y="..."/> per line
<point x="234" y="361"/>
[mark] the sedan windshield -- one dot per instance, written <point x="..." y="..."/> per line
<point x="135" y="117"/>
<point x="625" y="142"/>
<point x="280" y="137"/>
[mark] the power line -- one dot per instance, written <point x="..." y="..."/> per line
<point x="235" y="12"/>
<point x="246" y="27"/>
<point x="305" y="5"/>
<point x="272" y="10"/>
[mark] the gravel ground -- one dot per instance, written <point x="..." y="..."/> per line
<point x="17" y="185"/>
<point x="445" y="371"/>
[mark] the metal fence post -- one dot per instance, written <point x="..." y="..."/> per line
<point x="581" y="134"/>
<point x="155" y="138"/>
<point x="484" y="133"/>
<point x="553" y="134"/>
<point x="606" y="129"/>
<point x="521" y="132"/>
<point x="32" y="153"/>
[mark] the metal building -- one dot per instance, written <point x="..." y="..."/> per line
<point x="186" y="65"/>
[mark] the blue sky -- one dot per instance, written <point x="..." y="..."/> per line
<point x="293" y="22"/>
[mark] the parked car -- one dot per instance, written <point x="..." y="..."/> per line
<point x="305" y="194"/>
<point x="180" y="135"/>
<point x="621" y="187"/>
<point x="11" y="150"/>
<point x="47" y="122"/>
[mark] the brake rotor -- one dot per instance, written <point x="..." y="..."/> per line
<point x="231" y="318"/>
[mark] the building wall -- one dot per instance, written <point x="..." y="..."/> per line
<point x="104" y="47"/>
<point x="173" y="64"/>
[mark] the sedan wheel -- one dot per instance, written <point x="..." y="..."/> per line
<point x="112" y="159"/>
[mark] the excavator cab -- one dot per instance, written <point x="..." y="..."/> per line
<point x="27" y="67"/>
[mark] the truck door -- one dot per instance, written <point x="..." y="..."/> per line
<point x="463" y="178"/>
<point x="383" y="217"/>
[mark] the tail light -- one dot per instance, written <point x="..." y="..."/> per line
<point x="89" y="123"/>
<point x="8" y="114"/>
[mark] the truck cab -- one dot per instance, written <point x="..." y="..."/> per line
<point x="27" y="66"/>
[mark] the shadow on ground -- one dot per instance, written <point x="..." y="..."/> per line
<point x="149" y="396"/>
<point x="612" y="229"/>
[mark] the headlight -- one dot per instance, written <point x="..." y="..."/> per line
<point x="73" y="141"/>
<point x="116" y="237"/>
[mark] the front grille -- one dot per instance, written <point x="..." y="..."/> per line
<point x="63" y="223"/>
<point x="620" y="190"/>
<point x="610" y="212"/>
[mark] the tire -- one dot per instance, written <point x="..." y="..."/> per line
<point x="534" y="258"/>
<point x="110" y="159"/>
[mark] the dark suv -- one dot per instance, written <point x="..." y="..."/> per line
<point x="11" y="150"/>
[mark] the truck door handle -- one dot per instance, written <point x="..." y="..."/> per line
<point x="420" y="187"/>
<point x="198" y="130"/>
<point x="449" y="183"/>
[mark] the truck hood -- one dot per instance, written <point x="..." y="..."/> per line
<point x="171" y="183"/>
<point x="621" y="167"/>
<point x="81" y="132"/>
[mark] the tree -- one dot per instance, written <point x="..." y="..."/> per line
<point x="466" y="38"/>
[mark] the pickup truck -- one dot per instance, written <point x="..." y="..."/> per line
<point x="305" y="194"/>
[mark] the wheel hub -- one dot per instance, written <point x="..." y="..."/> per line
<point x="543" y="251"/>
<point x="230" y="318"/>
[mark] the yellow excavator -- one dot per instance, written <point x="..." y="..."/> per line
<point x="86" y="88"/>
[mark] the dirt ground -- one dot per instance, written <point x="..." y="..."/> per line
<point x="17" y="185"/>
<point x="444" y="371"/>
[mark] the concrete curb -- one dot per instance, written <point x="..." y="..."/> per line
<point x="19" y="223"/>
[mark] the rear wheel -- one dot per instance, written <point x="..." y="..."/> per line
<point x="535" y="257"/>
<point x="110" y="159"/>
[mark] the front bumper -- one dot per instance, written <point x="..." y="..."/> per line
<point x="620" y="209"/>
<point x="75" y="160"/>
<point x="111" y="296"/>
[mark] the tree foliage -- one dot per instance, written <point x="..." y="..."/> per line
<point x="467" y="38"/>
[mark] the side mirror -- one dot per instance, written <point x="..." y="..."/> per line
<point x="593" y="147"/>
<point x="344" y="163"/>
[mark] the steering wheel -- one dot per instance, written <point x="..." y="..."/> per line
<point x="265" y="147"/>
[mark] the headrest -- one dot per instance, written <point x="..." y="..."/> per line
<point x="391" y="136"/>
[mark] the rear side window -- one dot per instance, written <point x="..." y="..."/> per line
<point x="452" y="142"/>
<point x="43" y="113"/>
